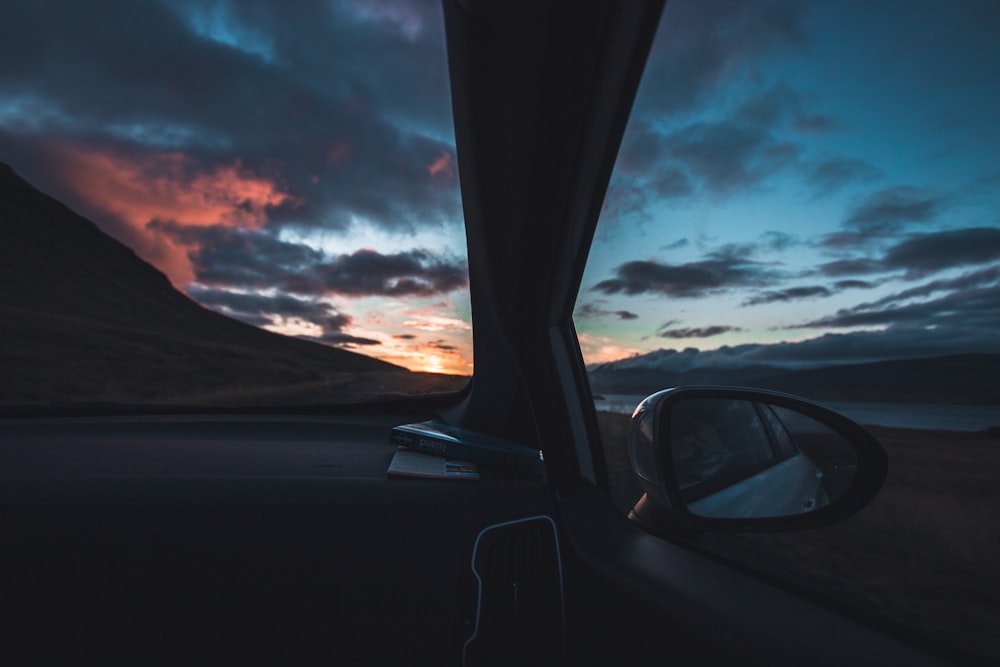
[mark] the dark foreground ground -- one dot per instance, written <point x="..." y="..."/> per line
<point x="924" y="554"/>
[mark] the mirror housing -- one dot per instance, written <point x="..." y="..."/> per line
<point x="692" y="450"/>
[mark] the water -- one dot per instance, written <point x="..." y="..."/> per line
<point x="928" y="416"/>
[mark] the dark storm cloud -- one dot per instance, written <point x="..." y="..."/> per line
<point x="700" y="48"/>
<point x="815" y="123"/>
<point x="233" y="258"/>
<point x="790" y="294"/>
<point x="680" y="243"/>
<point x="728" y="156"/>
<point x="228" y="257"/>
<point x="369" y="273"/>
<point x="834" y="173"/>
<point x="592" y="310"/>
<point x="337" y="338"/>
<point x="700" y="43"/>
<point x="918" y="255"/>
<point x="259" y="309"/>
<point x="974" y="308"/>
<point x="851" y="266"/>
<point x="926" y="253"/>
<point x="258" y="306"/>
<point x="344" y="112"/>
<point x="643" y="174"/>
<point x="777" y="241"/>
<point x="693" y="279"/>
<point x="780" y="104"/>
<point x="854" y="284"/>
<point x="890" y="210"/>
<point x="696" y="332"/>
<point x="974" y="279"/>
<point x="844" y="240"/>
<point x="442" y="345"/>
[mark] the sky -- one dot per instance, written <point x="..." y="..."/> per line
<point x="291" y="165"/>
<point x="800" y="182"/>
<point x="804" y="183"/>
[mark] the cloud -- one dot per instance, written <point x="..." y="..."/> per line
<point x="844" y="240"/>
<point x="973" y="279"/>
<point x="851" y="266"/>
<point x="281" y="309"/>
<point x="815" y="123"/>
<point x="693" y="279"/>
<point x="642" y="176"/>
<point x="137" y="192"/>
<point x="728" y="155"/>
<point x="832" y="174"/>
<point x="854" y="284"/>
<point x="701" y="48"/>
<point x="339" y="339"/>
<point x="239" y="258"/>
<point x="924" y="253"/>
<point x="974" y="308"/>
<point x="790" y="294"/>
<point x="779" y="104"/>
<point x="777" y="241"/>
<point x="344" y="105"/>
<point x="413" y="273"/>
<point x="236" y="258"/>
<point x="592" y="310"/>
<point x="701" y="44"/>
<point x="890" y="210"/>
<point x="920" y="254"/>
<point x="899" y="342"/>
<point x="676" y="245"/>
<point x="696" y="332"/>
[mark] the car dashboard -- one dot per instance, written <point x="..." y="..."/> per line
<point x="264" y="537"/>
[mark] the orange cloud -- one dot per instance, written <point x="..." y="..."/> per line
<point x="442" y="165"/>
<point x="600" y="349"/>
<point x="169" y="186"/>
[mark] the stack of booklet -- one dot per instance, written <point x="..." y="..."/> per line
<point x="435" y="449"/>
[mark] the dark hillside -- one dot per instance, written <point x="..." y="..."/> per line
<point x="83" y="318"/>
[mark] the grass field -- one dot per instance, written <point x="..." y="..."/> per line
<point x="924" y="554"/>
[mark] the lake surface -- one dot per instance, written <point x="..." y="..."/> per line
<point x="928" y="416"/>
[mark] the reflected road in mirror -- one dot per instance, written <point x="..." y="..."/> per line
<point x="746" y="459"/>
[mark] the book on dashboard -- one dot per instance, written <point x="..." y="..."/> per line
<point x="440" y="439"/>
<point x="411" y="463"/>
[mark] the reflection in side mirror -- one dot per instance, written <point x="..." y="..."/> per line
<point x="718" y="458"/>
<point x="736" y="458"/>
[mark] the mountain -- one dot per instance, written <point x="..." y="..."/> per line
<point x="960" y="378"/>
<point x="82" y="318"/>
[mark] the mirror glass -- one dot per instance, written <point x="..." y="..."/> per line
<point x="748" y="459"/>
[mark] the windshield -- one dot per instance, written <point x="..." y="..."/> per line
<point x="228" y="203"/>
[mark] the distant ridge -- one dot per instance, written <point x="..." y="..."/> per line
<point x="963" y="379"/>
<point x="83" y="318"/>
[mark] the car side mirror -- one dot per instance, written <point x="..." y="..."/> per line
<point x="716" y="458"/>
